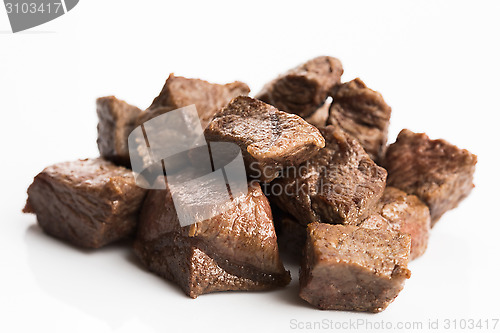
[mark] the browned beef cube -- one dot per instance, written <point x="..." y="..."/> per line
<point x="437" y="172"/>
<point x="235" y="250"/>
<point x="269" y="139"/>
<point x="178" y="92"/>
<point x="340" y="184"/>
<point x="197" y="273"/>
<point x="362" y="113"/>
<point x="116" y="121"/>
<point x="89" y="203"/>
<point x="352" y="268"/>
<point x="407" y="214"/>
<point x="304" y="88"/>
<point x="319" y="117"/>
<point x="209" y="98"/>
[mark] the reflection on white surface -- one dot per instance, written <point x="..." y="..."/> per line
<point x="110" y="284"/>
<point x="106" y="283"/>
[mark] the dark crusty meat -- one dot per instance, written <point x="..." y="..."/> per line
<point x="319" y="117"/>
<point x="362" y="113"/>
<point x="340" y="184"/>
<point x="396" y="211"/>
<point x="208" y="97"/>
<point x="178" y="92"/>
<point x="352" y="268"/>
<point x="235" y="250"/>
<point x="116" y="120"/>
<point x="89" y="203"/>
<point x="437" y="172"/>
<point x="292" y="235"/>
<point x="304" y="88"/>
<point x="270" y="139"/>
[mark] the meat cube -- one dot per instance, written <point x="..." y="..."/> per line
<point x="363" y="114"/>
<point x="352" y="268"/>
<point x="396" y="211"/>
<point x="269" y="139"/>
<point x="304" y="88"/>
<point x="209" y="98"/>
<point x="235" y="250"/>
<point x="340" y="184"/>
<point x="437" y="172"/>
<point x="89" y="203"/>
<point x="178" y="92"/>
<point x="116" y="120"/>
<point x="407" y="214"/>
<point x="319" y="117"/>
<point x="198" y="273"/>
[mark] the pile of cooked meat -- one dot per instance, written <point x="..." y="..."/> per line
<point x="323" y="187"/>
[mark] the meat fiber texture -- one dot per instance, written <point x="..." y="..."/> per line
<point x="405" y="213"/>
<point x="396" y="210"/>
<point x="235" y="250"/>
<point x="303" y="89"/>
<point x="270" y="140"/>
<point x="340" y="184"/>
<point x="116" y="121"/>
<point x="352" y="268"/>
<point x="362" y="113"/>
<point x="437" y="172"/>
<point x="89" y="203"/>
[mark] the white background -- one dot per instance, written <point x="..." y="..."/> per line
<point x="436" y="63"/>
